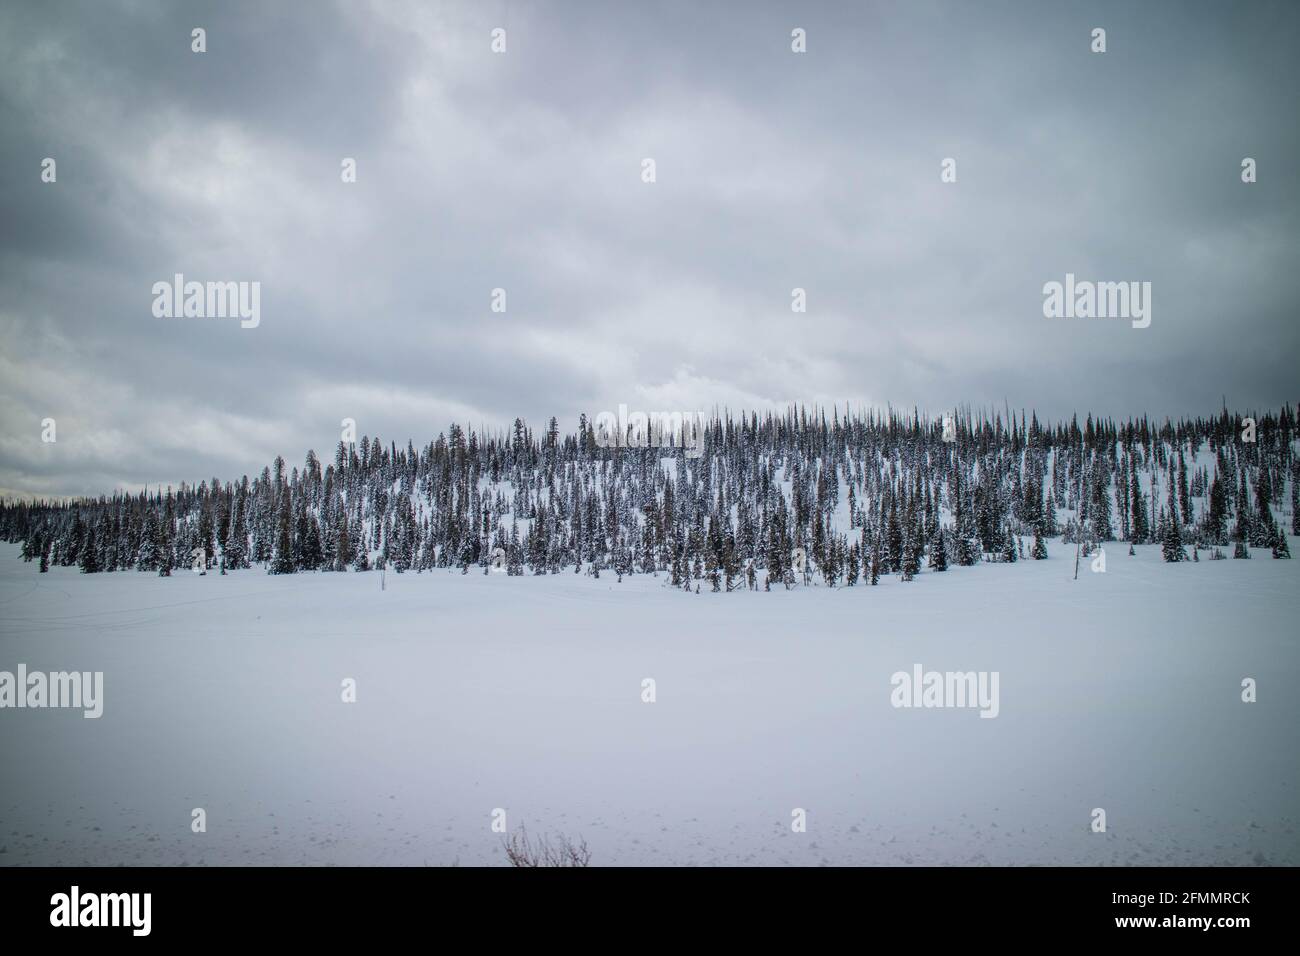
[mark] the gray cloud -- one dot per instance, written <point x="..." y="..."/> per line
<point x="521" y="171"/>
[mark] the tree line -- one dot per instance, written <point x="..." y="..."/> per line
<point x="774" y="500"/>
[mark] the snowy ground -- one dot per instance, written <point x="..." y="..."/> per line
<point x="1121" y="691"/>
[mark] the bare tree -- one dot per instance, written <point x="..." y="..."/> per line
<point x="522" y="851"/>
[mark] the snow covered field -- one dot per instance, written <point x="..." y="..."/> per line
<point x="1120" y="690"/>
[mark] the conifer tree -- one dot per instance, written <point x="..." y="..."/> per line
<point x="235" y="550"/>
<point x="89" y="557"/>
<point x="342" y="544"/>
<point x="938" y="553"/>
<point x="150" y="545"/>
<point x="282" y="562"/>
<point x="1099" y="512"/>
<point x="893" y="540"/>
<point x="1184" y="497"/>
<point x="1049" y="517"/>
<point x="1139" y="531"/>
<point x="917" y="544"/>
<point x="1295" y="498"/>
<point x="1172" y="542"/>
<point x="908" y="565"/>
<point x="1216" y="516"/>
<point x="1039" y="551"/>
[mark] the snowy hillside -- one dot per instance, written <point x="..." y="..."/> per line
<point x="779" y="500"/>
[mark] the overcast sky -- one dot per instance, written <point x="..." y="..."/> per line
<point x="522" y="171"/>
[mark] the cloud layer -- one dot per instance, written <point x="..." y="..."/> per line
<point x="521" y="171"/>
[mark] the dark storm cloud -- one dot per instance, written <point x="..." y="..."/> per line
<point x="521" y="171"/>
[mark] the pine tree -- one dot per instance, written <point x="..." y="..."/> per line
<point x="89" y="560"/>
<point x="1295" y="498"/>
<point x="1100" y="505"/>
<point x="893" y="540"/>
<point x="1139" y="530"/>
<point x="1049" y="517"/>
<point x="966" y="553"/>
<point x="235" y="550"/>
<point x="730" y="562"/>
<point x="917" y="534"/>
<point x="1245" y="526"/>
<point x="342" y="544"/>
<point x="1216" y="516"/>
<point x="1172" y="543"/>
<point x="1184" y="497"/>
<point x="207" y="533"/>
<point x="938" y="553"/>
<point x="312" y="554"/>
<point x="1264" y="521"/>
<point x="150" y="557"/>
<point x="908" y="564"/>
<point x="1039" y="551"/>
<point x="283" y="562"/>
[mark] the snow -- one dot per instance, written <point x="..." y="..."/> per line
<point x="1119" y="690"/>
